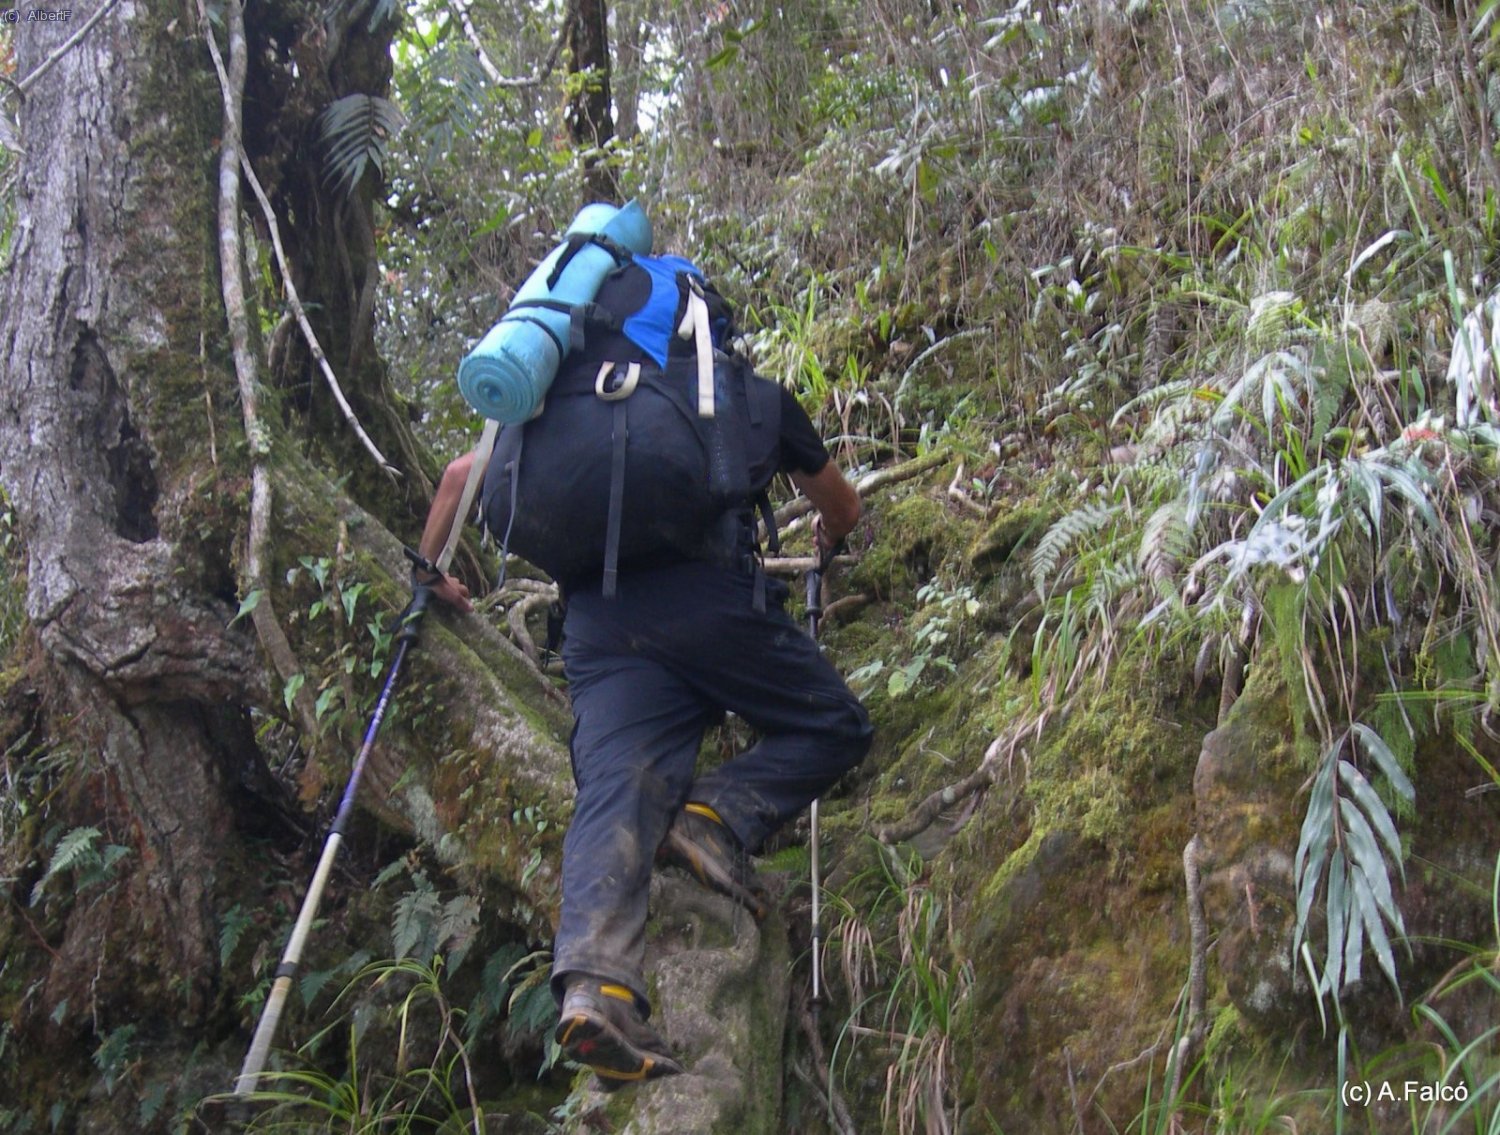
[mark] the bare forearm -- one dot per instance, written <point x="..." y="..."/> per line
<point x="837" y="503"/>
<point x="444" y="509"/>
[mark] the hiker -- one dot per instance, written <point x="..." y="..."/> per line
<point x="656" y="648"/>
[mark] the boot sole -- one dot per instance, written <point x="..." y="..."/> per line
<point x="591" y="1041"/>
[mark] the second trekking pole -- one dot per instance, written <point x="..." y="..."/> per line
<point x="814" y="619"/>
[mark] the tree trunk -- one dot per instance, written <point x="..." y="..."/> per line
<point x="124" y="454"/>
<point x="590" y="111"/>
<point x="111" y="417"/>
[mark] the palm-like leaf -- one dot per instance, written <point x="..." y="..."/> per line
<point x="355" y="133"/>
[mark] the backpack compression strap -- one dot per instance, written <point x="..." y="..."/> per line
<point x="575" y="242"/>
<point x="618" y="435"/>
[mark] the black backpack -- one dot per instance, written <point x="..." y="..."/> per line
<point x="640" y="457"/>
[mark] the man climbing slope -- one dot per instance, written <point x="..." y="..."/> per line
<point x="654" y="653"/>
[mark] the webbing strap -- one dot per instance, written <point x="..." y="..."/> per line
<point x="626" y="387"/>
<point x="694" y="326"/>
<point x="574" y="243"/>
<point x="616" y="500"/>
<point x="480" y="463"/>
<point x="512" y="316"/>
<point x="768" y="517"/>
<point x="514" y="466"/>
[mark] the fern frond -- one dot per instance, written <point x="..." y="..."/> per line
<point x="355" y="133"/>
<point x="76" y="850"/>
<point x="415" y="919"/>
<point x="1062" y="536"/>
<point x="1166" y="542"/>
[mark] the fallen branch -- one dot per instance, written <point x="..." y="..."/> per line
<point x="869" y="483"/>
<point x="791" y="566"/>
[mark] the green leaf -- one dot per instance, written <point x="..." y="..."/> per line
<point x="1307" y="889"/>
<point x="1375" y="745"/>
<point x="325" y="699"/>
<point x="723" y="56"/>
<point x="350" y="597"/>
<point x="235" y="923"/>
<point x="293" y="686"/>
<point x="248" y="604"/>
<point x="354" y="133"/>
<point x="1354" y="930"/>
<point x="1338" y="911"/>
<point x="1373" y="806"/>
<point x="1368" y="863"/>
<point x="416" y="919"/>
<point x="312" y="984"/>
<point x="1380" y="942"/>
<point x="1409" y="487"/>
<point x="1317" y="824"/>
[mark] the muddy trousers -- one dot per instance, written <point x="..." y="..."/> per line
<point x="648" y="672"/>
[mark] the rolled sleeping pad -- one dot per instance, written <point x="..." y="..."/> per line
<point x="506" y="375"/>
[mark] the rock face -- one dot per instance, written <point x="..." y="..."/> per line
<point x="719" y="986"/>
<point x="1247" y="819"/>
<point x="1249" y="800"/>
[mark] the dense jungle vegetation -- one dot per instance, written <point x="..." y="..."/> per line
<point x="1159" y="339"/>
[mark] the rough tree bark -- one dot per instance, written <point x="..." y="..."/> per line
<point x="110" y="419"/>
<point x="124" y="456"/>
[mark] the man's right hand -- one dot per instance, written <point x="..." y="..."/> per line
<point x="453" y="593"/>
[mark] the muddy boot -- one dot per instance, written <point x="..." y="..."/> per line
<point x="602" y="1028"/>
<point x="701" y="844"/>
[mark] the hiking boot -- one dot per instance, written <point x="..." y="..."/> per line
<point x="601" y="1027"/>
<point x="702" y="845"/>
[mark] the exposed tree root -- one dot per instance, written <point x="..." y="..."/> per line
<point x="1192" y="1033"/>
<point x="926" y="813"/>
<point x="838" y="1109"/>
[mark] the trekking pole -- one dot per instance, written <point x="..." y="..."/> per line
<point x="265" y="1029"/>
<point x="814" y="618"/>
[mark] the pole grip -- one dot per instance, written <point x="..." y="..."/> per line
<point x="411" y="618"/>
<point x="815" y="595"/>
